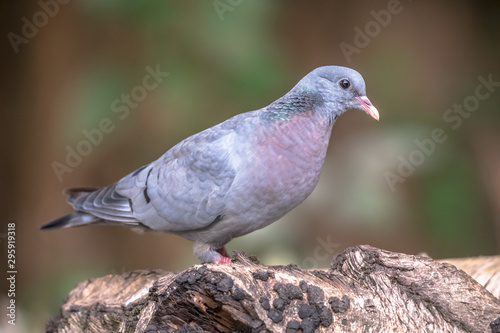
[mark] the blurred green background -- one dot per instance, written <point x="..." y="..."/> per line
<point x="223" y="58"/>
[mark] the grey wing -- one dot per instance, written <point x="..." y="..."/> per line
<point x="185" y="188"/>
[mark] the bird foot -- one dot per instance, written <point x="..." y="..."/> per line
<point x="224" y="260"/>
<point x="225" y="257"/>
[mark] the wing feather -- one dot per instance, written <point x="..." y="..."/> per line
<point x="185" y="188"/>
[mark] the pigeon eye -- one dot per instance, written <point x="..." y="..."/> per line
<point x="344" y="84"/>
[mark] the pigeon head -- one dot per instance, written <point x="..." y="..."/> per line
<point x="337" y="90"/>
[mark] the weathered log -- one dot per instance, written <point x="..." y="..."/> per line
<point x="485" y="270"/>
<point x="365" y="290"/>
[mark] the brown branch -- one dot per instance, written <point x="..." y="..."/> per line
<point x="365" y="290"/>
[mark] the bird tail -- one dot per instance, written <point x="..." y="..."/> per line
<point x="76" y="218"/>
<point x="71" y="220"/>
<point x="93" y="205"/>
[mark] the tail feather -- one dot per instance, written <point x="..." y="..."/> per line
<point x="103" y="206"/>
<point x="78" y="192"/>
<point x="71" y="220"/>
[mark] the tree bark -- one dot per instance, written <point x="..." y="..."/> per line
<point x="485" y="270"/>
<point x="364" y="290"/>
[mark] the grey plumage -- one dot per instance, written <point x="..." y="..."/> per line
<point x="235" y="177"/>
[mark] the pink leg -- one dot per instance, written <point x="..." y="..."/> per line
<point x="222" y="251"/>
<point x="225" y="258"/>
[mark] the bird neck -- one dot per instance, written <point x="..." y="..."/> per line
<point x="293" y="103"/>
<point x="297" y="127"/>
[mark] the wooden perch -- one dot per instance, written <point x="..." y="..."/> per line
<point x="365" y="290"/>
<point x="485" y="270"/>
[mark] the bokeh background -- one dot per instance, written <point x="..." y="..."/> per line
<point x="225" y="57"/>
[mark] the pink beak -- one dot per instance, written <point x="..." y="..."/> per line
<point x="368" y="106"/>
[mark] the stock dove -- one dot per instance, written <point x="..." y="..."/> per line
<point x="235" y="177"/>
